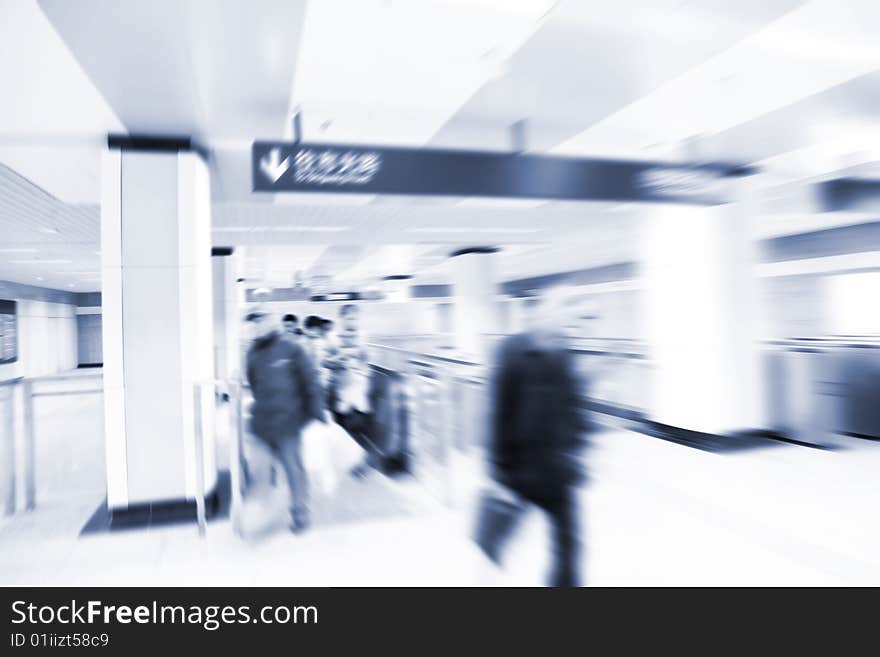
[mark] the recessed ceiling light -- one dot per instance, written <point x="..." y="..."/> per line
<point x="475" y="229"/>
<point x="293" y="229"/>
<point x="37" y="261"/>
<point x="310" y="229"/>
<point x="506" y="203"/>
<point x="49" y="231"/>
<point x="345" y="199"/>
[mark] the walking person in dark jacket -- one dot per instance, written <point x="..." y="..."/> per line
<point x="287" y="396"/>
<point x="538" y="429"/>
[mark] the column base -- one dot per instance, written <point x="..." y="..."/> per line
<point x="166" y="512"/>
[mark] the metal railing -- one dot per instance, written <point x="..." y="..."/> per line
<point x="8" y="463"/>
<point x="434" y="385"/>
<point x="19" y="430"/>
<point x="818" y="388"/>
<point x="617" y="370"/>
<point x="19" y="447"/>
<point x="451" y="407"/>
<point x="235" y="392"/>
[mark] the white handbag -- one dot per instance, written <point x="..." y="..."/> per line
<point x="317" y="458"/>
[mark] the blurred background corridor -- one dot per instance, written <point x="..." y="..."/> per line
<point x="715" y="279"/>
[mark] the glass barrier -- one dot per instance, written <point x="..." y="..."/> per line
<point x="9" y="391"/>
<point x="64" y="428"/>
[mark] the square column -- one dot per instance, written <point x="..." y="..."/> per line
<point x="474" y="310"/>
<point x="701" y="316"/>
<point x="228" y="293"/>
<point x="157" y="338"/>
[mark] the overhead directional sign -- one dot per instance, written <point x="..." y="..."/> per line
<point x="272" y="166"/>
<point x="340" y="168"/>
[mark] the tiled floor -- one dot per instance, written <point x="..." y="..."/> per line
<point x="654" y="513"/>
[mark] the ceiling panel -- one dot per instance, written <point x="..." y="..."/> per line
<point x="206" y="68"/>
<point x="217" y="70"/>
<point x="45" y="241"/>
<point x="841" y="122"/>
<point x="757" y="79"/>
<point x="52" y="118"/>
<point x="590" y="59"/>
<point x="374" y="71"/>
<point x="47" y="95"/>
<point x="813" y="47"/>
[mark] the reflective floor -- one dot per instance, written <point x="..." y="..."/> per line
<point x="655" y="513"/>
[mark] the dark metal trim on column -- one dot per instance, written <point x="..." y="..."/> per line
<point x="526" y="287"/>
<point x="397" y="277"/>
<point x="155" y="514"/>
<point x="156" y="143"/>
<point x="336" y="296"/>
<point x="427" y="291"/>
<point x="841" y="240"/>
<point x="23" y="292"/>
<point x="88" y="299"/>
<point x="848" y="193"/>
<point x="475" y="249"/>
<point x="222" y="250"/>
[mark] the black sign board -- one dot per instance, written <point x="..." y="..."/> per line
<point x="301" y="167"/>
<point x="8" y="332"/>
<point x="337" y="296"/>
<point x="849" y="194"/>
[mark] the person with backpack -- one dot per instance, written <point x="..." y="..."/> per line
<point x="287" y="396"/>
<point x="537" y="431"/>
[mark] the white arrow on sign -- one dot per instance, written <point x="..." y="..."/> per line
<point x="273" y="166"/>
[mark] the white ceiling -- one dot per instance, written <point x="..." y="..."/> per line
<point x="789" y="83"/>
<point x="45" y="241"/>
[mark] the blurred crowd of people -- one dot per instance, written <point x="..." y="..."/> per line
<point x="311" y="371"/>
<point x="303" y="374"/>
